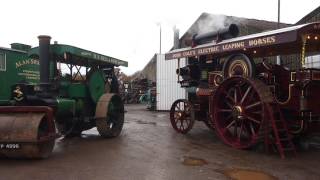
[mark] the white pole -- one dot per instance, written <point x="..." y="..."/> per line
<point x="160" y="40"/>
<point x="278" y="57"/>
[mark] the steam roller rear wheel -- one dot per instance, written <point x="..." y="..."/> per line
<point x="109" y="115"/>
<point x="239" y="111"/>
<point x="28" y="134"/>
<point x="182" y="116"/>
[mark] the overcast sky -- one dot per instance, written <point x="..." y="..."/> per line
<point x="127" y="29"/>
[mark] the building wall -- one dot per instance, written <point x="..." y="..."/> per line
<point x="168" y="88"/>
<point x="149" y="71"/>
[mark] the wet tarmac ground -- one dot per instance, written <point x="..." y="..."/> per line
<point x="149" y="149"/>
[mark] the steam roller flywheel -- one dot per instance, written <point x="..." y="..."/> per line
<point x="109" y="115"/>
<point x="98" y="85"/>
<point x="26" y="135"/>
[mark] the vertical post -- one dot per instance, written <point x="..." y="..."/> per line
<point x="303" y="51"/>
<point x="278" y="14"/>
<point x="71" y="67"/>
<point x="178" y="70"/>
<point x="278" y="26"/>
<point x="160" y="40"/>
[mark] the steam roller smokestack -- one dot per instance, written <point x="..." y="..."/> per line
<point x="44" y="56"/>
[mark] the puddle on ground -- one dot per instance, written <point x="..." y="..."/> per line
<point x="246" y="174"/>
<point x="146" y="122"/>
<point x="192" y="161"/>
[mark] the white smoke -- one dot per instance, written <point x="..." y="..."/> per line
<point x="212" y="22"/>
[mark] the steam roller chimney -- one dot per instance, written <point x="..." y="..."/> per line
<point x="44" y="56"/>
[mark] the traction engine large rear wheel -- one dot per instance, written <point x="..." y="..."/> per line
<point x="239" y="111"/>
<point x="182" y="116"/>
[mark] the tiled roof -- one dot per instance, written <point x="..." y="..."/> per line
<point x="213" y="21"/>
<point x="309" y="16"/>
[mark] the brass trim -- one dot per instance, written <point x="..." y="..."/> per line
<point x="303" y="50"/>
<point x="216" y="73"/>
<point x="236" y="63"/>
<point x="289" y="96"/>
<point x="291" y="75"/>
<point x="301" y="126"/>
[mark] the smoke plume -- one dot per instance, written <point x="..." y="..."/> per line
<point x="212" y="22"/>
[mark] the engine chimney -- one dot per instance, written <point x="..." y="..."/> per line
<point x="176" y="41"/>
<point x="44" y="56"/>
<point x="222" y="34"/>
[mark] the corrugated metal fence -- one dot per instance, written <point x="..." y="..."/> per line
<point x="168" y="89"/>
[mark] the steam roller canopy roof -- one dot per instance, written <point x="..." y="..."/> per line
<point x="77" y="56"/>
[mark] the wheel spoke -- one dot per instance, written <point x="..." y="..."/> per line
<point x="178" y="106"/>
<point x="252" y="119"/>
<point x="230" y="106"/>
<point x="181" y="125"/>
<point x="230" y="124"/>
<point x="241" y="128"/>
<point x="176" y="120"/>
<point x="228" y="96"/>
<point x="245" y="94"/>
<point x="245" y="130"/>
<point x="253" y="105"/>
<point x="225" y="110"/>
<point x="239" y="91"/>
<point x="187" y="121"/>
<point x="252" y="130"/>
<point x="176" y="115"/>
<point x="256" y="112"/>
<point x="235" y="96"/>
<point x="227" y="118"/>
<point x="235" y="129"/>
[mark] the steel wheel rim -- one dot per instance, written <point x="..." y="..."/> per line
<point x="182" y="116"/>
<point x="239" y="112"/>
<point x="115" y="113"/>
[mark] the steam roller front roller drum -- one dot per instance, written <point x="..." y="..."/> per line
<point x="109" y="115"/>
<point x="26" y="135"/>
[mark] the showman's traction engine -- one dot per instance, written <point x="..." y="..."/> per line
<point x="238" y="90"/>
